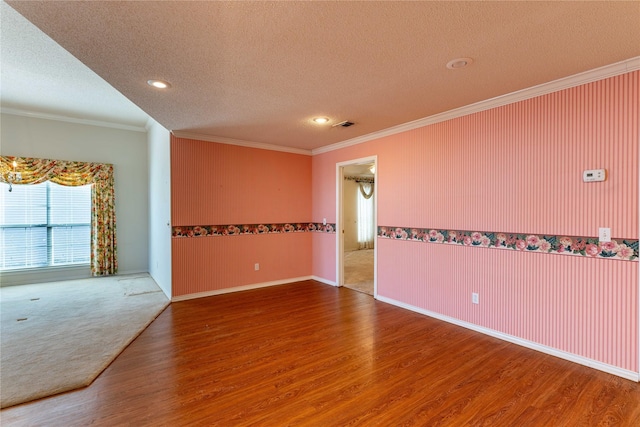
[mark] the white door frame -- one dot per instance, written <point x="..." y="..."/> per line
<point x="340" y="220"/>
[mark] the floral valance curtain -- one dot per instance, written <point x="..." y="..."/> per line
<point x="366" y="190"/>
<point x="103" y="214"/>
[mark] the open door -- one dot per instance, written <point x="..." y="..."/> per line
<point x="356" y="205"/>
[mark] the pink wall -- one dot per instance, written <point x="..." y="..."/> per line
<point x="226" y="184"/>
<point x="219" y="184"/>
<point x="203" y="264"/>
<point x="513" y="169"/>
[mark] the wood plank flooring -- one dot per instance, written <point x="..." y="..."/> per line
<point x="309" y="354"/>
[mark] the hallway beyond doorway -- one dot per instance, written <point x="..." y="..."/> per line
<point x="358" y="270"/>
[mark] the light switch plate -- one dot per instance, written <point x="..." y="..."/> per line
<point x="604" y="234"/>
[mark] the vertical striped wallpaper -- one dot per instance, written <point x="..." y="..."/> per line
<point x="210" y="264"/>
<point x="224" y="184"/>
<point x="512" y="169"/>
<point x="215" y="183"/>
<point x="518" y="168"/>
<point x="578" y="305"/>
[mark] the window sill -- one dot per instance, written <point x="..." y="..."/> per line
<point x="44" y="274"/>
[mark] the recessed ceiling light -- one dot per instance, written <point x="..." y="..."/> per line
<point x="321" y="120"/>
<point x="458" y="63"/>
<point x="160" y="84"/>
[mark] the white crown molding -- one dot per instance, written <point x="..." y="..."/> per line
<point x="624" y="373"/>
<point x="61" y="118"/>
<point x="149" y="124"/>
<point x="241" y="143"/>
<point x="601" y="73"/>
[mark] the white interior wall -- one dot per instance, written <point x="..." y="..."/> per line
<point x="350" y="214"/>
<point x="125" y="149"/>
<point x="160" y="205"/>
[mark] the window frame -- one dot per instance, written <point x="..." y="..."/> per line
<point x="50" y="266"/>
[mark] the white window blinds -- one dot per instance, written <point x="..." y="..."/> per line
<point x="44" y="225"/>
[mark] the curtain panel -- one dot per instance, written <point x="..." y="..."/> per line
<point x="366" y="228"/>
<point x="103" y="215"/>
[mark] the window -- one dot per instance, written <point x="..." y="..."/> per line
<point x="44" y="225"/>
<point x="366" y="226"/>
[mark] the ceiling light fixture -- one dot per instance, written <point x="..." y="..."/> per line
<point x="159" y="84"/>
<point x="372" y="169"/>
<point x="458" y="63"/>
<point x="321" y="120"/>
<point x="9" y="175"/>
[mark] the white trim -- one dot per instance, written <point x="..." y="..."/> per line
<point x="323" y="280"/>
<point x="375" y="228"/>
<point x="241" y="143"/>
<point x="150" y="123"/>
<point x="50" y="274"/>
<point x="28" y="276"/>
<point x="61" y="118"/>
<point x="239" y="288"/>
<point x="340" y="220"/>
<point x="339" y="224"/>
<point x="624" y="373"/>
<point x="618" y="68"/>
<point x="123" y="273"/>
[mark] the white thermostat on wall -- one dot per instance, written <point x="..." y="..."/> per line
<point x="594" y="175"/>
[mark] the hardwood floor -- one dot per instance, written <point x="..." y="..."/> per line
<point x="314" y="355"/>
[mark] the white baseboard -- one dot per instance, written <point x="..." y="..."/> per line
<point x="55" y="274"/>
<point x="614" y="370"/>
<point x="129" y="272"/>
<point x="44" y="275"/>
<point x="325" y="281"/>
<point x="239" y="288"/>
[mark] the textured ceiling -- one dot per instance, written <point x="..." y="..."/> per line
<point x="39" y="76"/>
<point x="358" y="170"/>
<point x="259" y="71"/>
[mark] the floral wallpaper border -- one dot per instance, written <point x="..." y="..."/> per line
<point x="620" y="249"/>
<point x="236" y="230"/>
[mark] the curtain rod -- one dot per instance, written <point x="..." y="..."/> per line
<point x="366" y="179"/>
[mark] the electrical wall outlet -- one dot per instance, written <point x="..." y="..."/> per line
<point x="475" y="298"/>
<point x="324" y="221"/>
<point x="604" y="234"/>
<point x="256" y="266"/>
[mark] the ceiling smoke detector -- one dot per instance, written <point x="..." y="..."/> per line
<point x="344" y="124"/>
<point x="456" y="64"/>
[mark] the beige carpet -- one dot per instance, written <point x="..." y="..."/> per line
<point x="60" y="336"/>
<point x="358" y="270"/>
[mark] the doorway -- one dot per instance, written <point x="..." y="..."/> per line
<point x="356" y="204"/>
